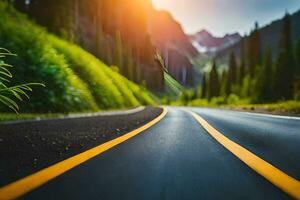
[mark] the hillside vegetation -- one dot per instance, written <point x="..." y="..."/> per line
<point x="75" y="80"/>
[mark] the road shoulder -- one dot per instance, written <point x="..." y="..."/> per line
<point x="30" y="146"/>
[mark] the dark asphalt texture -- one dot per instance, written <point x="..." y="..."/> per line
<point x="31" y="146"/>
<point x="274" y="139"/>
<point x="178" y="159"/>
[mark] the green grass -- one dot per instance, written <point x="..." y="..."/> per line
<point x="284" y="107"/>
<point x="289" y="107"/>
<point x="13" y="117"/>
<point x="75" y="80"/>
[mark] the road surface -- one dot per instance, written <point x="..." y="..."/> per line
<point x="178" y="159"/>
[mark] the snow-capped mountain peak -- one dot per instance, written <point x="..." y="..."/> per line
<point x="208" y="44"/>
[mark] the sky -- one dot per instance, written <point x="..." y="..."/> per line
<point x="226" y="16"/>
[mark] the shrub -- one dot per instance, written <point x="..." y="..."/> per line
<point x="216" y="101"/>
<point x="233" y="99"/>
<point x="199" y="102"/>
<point x="9" y="94"/>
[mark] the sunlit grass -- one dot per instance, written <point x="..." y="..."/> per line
<point x="75" y="79"/>
<point x="16" y="117"/>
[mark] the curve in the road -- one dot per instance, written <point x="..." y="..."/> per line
<point x="31" y="182"/>
<point x="283" y="181"/>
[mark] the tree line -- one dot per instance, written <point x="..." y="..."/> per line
<point x="113" y="30"/>
<point x="258" y="76"/>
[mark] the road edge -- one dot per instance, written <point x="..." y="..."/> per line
<point x="79" y="115"/>
<point x="33" y="181"/>
<point x="286" y="183"/>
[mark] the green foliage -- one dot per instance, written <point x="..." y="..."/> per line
<point x="37" y="61"/>
<point x="289" y="107"/>
<point x="204" y="87"/>
<point x="76" y="80"/>
<point x="8" y="94"/>
<point x="141" y="94"/>
<point x="119" y="52"/>
<point x="233" y="76"/>
<point x="110" y="89"/>
<point x="129" y="62"/>
<point x="265" y="79"/>
<point x="284" y="73"/>
<point x="233" y="99"/>
<point x="297" y="58"/>
<point x="242" y="68"/>
<point x="214" y="84"/>
<point x="297" y="70"/>
<point x="186" y="96"/>
<point x="90" y="70"/>
<point x="223" y="82"/>
<point x="27" y="116"/>
<point x="232" y="79"/>
<point x="256" y="78"/>
<point x="200" y="102"/>
<point x="217" y="101"/>
<point x="254" y="50"/>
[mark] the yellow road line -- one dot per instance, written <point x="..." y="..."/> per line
<point x="31" y="182"/>
<point x="283" y="181"/>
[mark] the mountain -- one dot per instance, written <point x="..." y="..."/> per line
<point x="173" y="44"/>
<point x="270" y="35"/>
<point x="210" y="45"/>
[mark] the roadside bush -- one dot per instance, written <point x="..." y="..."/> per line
<point x="233" y="99"/>
<point x="199" y="102"/>
<point x="218" y="101"/>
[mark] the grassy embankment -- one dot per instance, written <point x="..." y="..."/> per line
<point x="75" y="80"/>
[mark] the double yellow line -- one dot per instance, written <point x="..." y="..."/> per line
<point x="31" y="182"/>
<point x="277" y="177"/>
<point x="283" y="181"/>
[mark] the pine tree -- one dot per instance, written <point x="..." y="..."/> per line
<point x="284" y="78"/>
<point x="242" y="71"/>
<point x="233" y="69"/>
<point x="214" y="84"/>
<point x="297" y="59"/>
<point x="130" y="65"/>
<point x="232" y="75"/>
<point x="253" y="50"/>
<point x="204" y="87"/>
<point x="223" y="83"/>
<point x="118" y="57"/>
<point x="297" y="70"/>
<point x="265" y="90"/>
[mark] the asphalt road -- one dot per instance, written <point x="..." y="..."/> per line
<point x="29" y="146"/>
<point x="178" y="159"/>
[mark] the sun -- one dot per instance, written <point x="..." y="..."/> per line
<point x="162" y="3"/>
